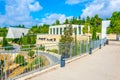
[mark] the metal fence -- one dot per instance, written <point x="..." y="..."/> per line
<point x="18" y="61"/>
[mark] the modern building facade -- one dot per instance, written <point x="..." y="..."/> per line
<point x="59" y="29"/>
<point x="51" y="40"/>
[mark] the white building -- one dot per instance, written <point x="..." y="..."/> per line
<point x="16" y="32"/>
<point x="59" y="29"/>
<point x="52" y="39"/>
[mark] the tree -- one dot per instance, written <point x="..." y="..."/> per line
<point x="67" y="37"/>
<point x="57" y="22"/>
<point x="94" y="36"/>
<point x="31" y="53"/>
<point x="19" y="59"/>
<point x="3" y="31"/>
<point x="66" y="21"/>
<point x="66" y="41"/>
<point x="40" y="29"/>
<point x="4" y="42"/>
<point x="115" y="22"/>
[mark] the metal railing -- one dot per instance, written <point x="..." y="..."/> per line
<point x="18" y="61"/>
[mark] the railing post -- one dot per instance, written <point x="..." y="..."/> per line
<point x="100" y="45"/>
<point x="87" y="46"/>
<point x="90" y="50"/>
<point x="5" y="64"/>
<point x="70" y="50"/>
<point x="80" y="48"/>
<point x="39" y="56"/>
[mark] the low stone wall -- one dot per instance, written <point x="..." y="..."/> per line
<point x="111" y="36"/>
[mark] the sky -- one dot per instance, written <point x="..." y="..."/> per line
<point x="32" y="12"/>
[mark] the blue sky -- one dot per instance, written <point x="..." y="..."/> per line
<point x="31" y="12"/>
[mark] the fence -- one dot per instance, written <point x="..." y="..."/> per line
<point x="18" y="61"/>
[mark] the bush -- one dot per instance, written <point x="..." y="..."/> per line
<point x="53" y="50"/>
<point x="35" y="63"/>
<point x="19" y="59"/>
<point x="31" y="53"/>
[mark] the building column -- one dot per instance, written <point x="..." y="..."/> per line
<point x="55" y="30"/>
<point x="63" y="31"/>
<point x="77" y="30"/>
<point x="82" y="30"/>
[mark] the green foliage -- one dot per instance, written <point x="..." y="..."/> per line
<point x="57" y="22"/>
<point x="66" y="21"/>
<point x="40" y="29"/>
<point x="31" y="53"/>
<point x="53" y="50"/>
<point x="19" y="59"/>
<point x="66" y="40"/>
<point x="109" y="30"/>
<point x="38" y="61"/>
<point x="28" y="39"/>
<point x="85" y="29"/>
<point x="67" y="37"/>
<point x="24" y="40"/>
<point x="4" y="42"/>
<point x="94" y="35"/>
<point x="19" y="26"/>
<point x="115" y="23"/>
<point x="42" y="48"/>
<point x="3" y="32"/>
<point x="1" y="63"/>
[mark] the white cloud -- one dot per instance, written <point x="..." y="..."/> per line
<point x="35" y="7"/>
<point x="104" y="8"/>
<point x="71" y="2"/>
<point x="51" y="18"/>
<point x="18" y="12"/>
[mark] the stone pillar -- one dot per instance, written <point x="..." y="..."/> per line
<point x="82" y="30"/>
<point x="63" y="31"/>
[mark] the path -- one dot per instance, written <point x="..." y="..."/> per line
<point x="104" y="64"/>
<point x="53" y="59"/>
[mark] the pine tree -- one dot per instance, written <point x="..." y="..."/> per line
<point x="66" y="41"/>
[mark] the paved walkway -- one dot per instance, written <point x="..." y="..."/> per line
<point x="104" y="64"/>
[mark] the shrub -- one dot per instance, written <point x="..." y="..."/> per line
<point x="31" y="53"/>
<point x="19" y="59"/>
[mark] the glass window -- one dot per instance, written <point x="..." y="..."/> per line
<point x="53" y="30"/>
<point x="60" y="30"/>
<point x="50" y="31"/>
<point x="57" y="30"/>
<point x="64" y="28"/>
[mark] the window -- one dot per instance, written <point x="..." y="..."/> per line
<point x="60" y="30"/>
<point x="64" y="28"/>
<point x="79" y="30"/>
<point x="50" y="31"/>
<point x="53" y="30"/>
<point x="57" y="30"/>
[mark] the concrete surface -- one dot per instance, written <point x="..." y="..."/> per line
<point x="104" y="64"/>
